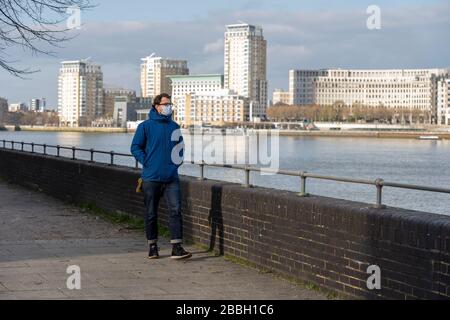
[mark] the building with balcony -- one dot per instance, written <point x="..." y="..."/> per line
<point x="80" y="93"/>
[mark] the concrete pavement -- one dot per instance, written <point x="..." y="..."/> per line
<point x="41" y="236"/>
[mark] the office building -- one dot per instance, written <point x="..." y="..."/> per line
<point x="401" y="89"/>
<point x="109" y="95"/>
<point x="126" y="107"/>
<point x="38" y="105"/>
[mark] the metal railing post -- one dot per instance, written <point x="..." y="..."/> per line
<point x="45" y="149"/>
<point x="12" y="145"/>
<point x="32" y="147"/>
<point x="303" y="184"/>
<point x="247" y="176"/>
<point x="379" y="185"/>
<point x="57" y="150"/>
<point x="73" y="153"/>
<point x="92" y="154"/>
<point x="202" y="171"/>
<point x="112" y="158"/>
<point x="4" y="143"/>
<point x="22" y="145"/>
<point x="136" y="164"/>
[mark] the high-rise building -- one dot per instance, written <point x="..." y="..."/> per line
<point x="245" y="52"/>
<point x="406" y="89"/>
<point x="80" y="93"/>
<point x="109" y="96"/>
<point x="38" y="105"/>
<point x="154" y="72"/>
<point x="443" y="101"/>
<point x="182" y="85"/>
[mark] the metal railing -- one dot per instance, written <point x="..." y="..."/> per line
<point x="303" y="175"/>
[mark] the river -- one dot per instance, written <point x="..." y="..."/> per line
<point x="395" y="160"/>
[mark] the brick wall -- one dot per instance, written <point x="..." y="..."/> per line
<point x="325" y="241"/>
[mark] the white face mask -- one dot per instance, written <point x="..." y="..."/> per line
<point x="167" y="110"/>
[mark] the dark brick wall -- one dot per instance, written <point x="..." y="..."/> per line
<point x="328" y="242"/>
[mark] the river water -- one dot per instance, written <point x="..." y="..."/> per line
<point x="395" y="160"/>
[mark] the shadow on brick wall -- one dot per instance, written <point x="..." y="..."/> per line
<point x="215" y="219"/>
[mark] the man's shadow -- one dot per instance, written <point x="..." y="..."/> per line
<point x="215" y="219"/>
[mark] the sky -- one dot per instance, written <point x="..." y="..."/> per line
<point x="300" y="34"/>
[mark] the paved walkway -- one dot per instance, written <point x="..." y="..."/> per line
<point x="41" y="236"/>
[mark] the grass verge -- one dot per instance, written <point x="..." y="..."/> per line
<point x="129" y="221"/>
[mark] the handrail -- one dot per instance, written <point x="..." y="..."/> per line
<point x="378" y="183"/>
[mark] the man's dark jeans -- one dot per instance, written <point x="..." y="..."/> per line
<point x="153" y="191"/>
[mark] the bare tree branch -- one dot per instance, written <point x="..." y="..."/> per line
<point x="34" y="25"/>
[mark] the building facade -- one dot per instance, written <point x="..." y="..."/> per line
<point x="109" y="95"/>
<point x="154" y="72"/>
<point x="245" y="55"/>
<point x="280" y="97"/>
<point x="16" y="107"/>
<point x="216" y="108"/>
<point x="38" y="105"/>
<point x="443" y="101"/>
<point x="80" y="93"/>
<point x="407" y="89"/>
<point x="126" y="107"/>
<point x="183" y="85"/>
<point x="3" y="109"/>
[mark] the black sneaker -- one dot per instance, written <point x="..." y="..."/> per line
<point x="153" y="252"/>
<point x="179" y="253"/>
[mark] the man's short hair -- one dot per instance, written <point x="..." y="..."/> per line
<point x="158" y="98"/>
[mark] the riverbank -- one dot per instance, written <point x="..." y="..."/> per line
<point x="381" y="134"/>
<point x="367" y="134"/>
<point x="67" y="129"/>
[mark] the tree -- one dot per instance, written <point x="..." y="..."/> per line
<point x="33" y="25"/>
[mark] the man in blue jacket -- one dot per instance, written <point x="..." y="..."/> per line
<point x="158" y="146"/>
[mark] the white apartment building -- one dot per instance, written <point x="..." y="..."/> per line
<point x="394" y="88"/>
<point x="80" y="93"/>
<point x="245" y="55"/>
<point x="216" y="108"/>
<point x="280" y="96"/>
<point x="443" y="101"/>
<point x="154" y="72"/>
<point x="183" y="85"/>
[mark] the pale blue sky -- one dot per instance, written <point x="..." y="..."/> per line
<point x="143" y="10"/>
<point x="299" y="33"/>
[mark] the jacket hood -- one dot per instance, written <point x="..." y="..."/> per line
<point x="154" y="115"/>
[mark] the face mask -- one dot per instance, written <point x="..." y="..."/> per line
<point x="166" y="110"/>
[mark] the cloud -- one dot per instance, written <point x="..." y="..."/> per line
<point x="214" y="47"/>
<point x="411" y="36"/>
<point x="288" y="50"/>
